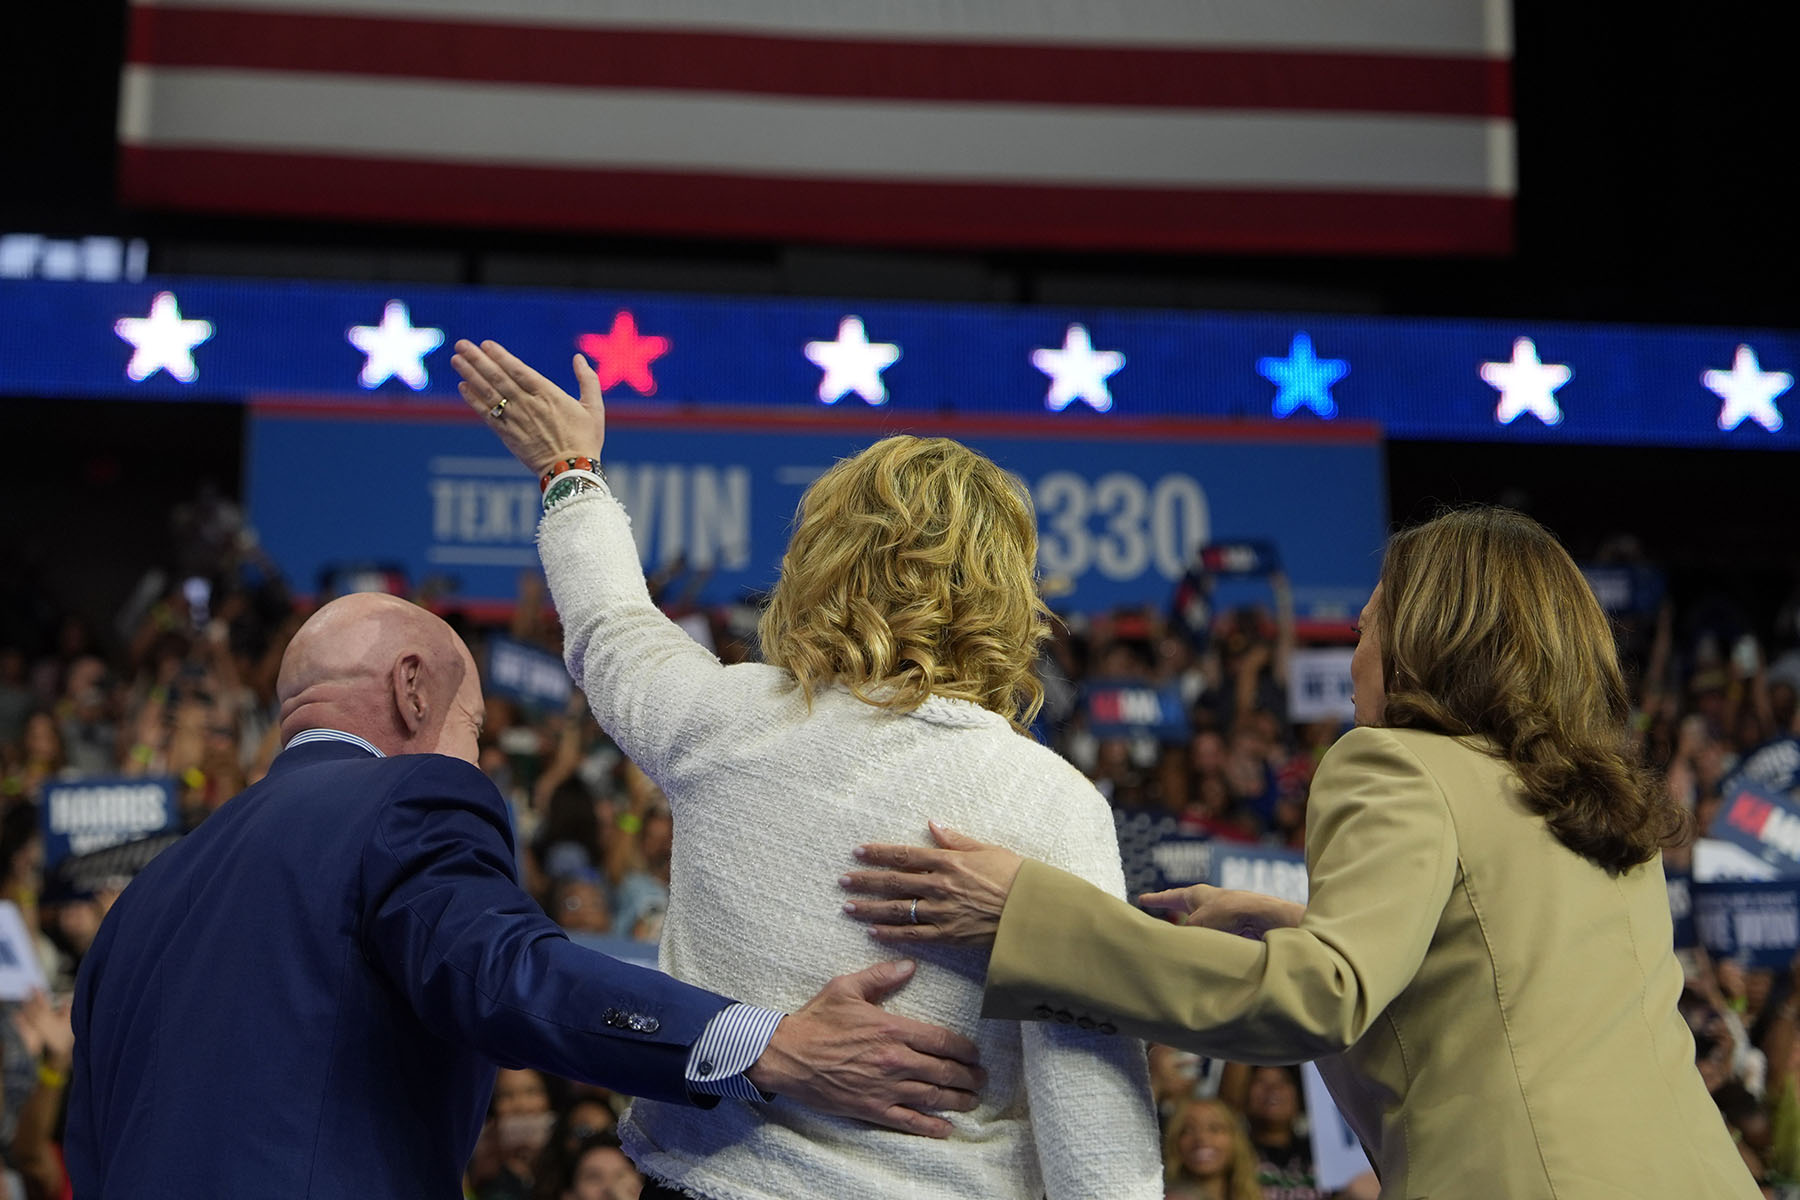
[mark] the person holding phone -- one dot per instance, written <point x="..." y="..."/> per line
<point x="1485" y="964"/>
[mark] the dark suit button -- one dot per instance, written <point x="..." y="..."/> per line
<point x="611" y="1017"/>
<point x="638" y="1023"/>
<point x="1043" y="1012"/>
<point x="1107" y="1027"/>
<point x="1085" y="1022"/>
<point x="1064" y="1016"/>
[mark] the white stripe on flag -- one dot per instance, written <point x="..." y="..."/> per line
<point x="207" y="108"/>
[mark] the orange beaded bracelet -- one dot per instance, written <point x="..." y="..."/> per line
<point x="580" y="462"/>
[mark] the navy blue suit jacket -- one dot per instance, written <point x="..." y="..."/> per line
<point x="306" y="996"/>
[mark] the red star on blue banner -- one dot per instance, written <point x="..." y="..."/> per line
<point x="623" y="355"/>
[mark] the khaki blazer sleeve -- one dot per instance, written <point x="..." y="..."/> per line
<point x="1381" y="858"/>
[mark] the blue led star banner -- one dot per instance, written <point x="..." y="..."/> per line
<point x="1452" y="380"/>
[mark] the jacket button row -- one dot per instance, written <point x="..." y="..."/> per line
<point x="635" y="1022"/>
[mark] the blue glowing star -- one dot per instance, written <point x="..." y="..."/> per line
<point x="1303" y="379"/>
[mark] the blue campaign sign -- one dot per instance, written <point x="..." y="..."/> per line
<point x="1762" y="821"/>
<point x="1121" y="507"/>
<point x="1773" y="766"/>
<point x="1181" y="859"/>
<point x="1630" y="590"/>
<point x="533" y="677"/>
<point x="1127" y="709"/>
<point x="1757" y="923"/>
<point x="196" y="339"/>
<point x="81" y="816"/>
<point x="1681" y="908"/>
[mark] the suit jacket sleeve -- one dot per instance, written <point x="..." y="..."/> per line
<point x="1381" y="858"/>
<point x="443" y="917"/>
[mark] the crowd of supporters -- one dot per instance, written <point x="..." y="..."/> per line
<point x="181" y="686"/>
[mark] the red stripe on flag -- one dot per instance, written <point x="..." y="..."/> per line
<point x="810" y="210"/>
<point x="896" y="70"/>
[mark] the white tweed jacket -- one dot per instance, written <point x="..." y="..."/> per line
<point x="768" y="802"/>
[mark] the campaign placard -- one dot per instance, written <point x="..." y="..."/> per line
<point x="84" y="815"/>
<point x="1761" y="821"/>
<point x="1123" y="709"/>
<point x="1681" y="908"/>
<point x="1319" y="685"/>
<point x="1337" y="1152"/>
<point x="1755" y="922"/>
<point x="532" y="676"/>
<point x="1773" y="766"/>
<point x="1626" y="589"/>
<point x="20" y="972"/>
<point x="1177" y="860"/>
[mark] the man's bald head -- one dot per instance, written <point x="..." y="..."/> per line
<point x="384" y="669"/>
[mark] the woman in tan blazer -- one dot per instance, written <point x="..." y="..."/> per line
<point x="1484" y="965"/>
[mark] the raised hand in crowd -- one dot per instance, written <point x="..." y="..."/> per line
<point x="46" y="1030"/>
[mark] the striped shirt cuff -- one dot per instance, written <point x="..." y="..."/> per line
<point x="729" y="1045"/>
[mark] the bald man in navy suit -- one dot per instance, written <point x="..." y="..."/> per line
<point x="308" y="996"/>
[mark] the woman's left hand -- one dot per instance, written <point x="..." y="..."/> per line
<point x="954" y="895"/>
<point x="539" y="422"/>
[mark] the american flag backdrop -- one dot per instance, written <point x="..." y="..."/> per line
<point x="1307" y="126"/>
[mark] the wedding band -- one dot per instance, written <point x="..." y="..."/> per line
<point x="498" y="412"/>
<point x="915" y="911"/>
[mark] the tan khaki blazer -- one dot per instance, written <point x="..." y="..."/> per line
<point x="1505" y="1009"/>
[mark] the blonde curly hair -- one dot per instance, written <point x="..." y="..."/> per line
<point x="911" y="573"/>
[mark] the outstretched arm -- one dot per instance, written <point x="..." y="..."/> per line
<point x="650" y="685"/>
<point x="1381" y="861"/>
<point x="445" y="920"/>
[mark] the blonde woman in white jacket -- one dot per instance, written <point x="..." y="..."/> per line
<point x="900" y="644"/>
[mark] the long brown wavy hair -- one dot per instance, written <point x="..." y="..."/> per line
<point x="911" y="573"/>
<point x="1488" y="628"/>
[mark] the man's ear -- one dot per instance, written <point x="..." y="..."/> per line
<point x="412" y="706"/>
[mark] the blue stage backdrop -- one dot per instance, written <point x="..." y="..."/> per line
<point x="1122" y="506"/>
